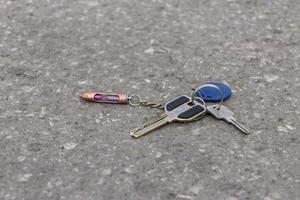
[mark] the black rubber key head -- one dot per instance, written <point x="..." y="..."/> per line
<point x="176" y="103"/>
<point x="193" y="111"/>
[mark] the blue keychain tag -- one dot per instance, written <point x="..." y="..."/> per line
<point x="210" y="94"/>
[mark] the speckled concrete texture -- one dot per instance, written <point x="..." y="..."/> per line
<point x="54" y="146"/>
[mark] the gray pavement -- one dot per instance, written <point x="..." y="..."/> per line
<point x="54" y="146"/>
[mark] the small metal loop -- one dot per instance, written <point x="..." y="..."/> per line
<point x="134" y="100"/>
<point x="199" y="99"/>
<point x="208" y="85"/>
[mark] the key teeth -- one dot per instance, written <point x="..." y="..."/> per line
<point x="238" y="125"/>
<point x="133" y="135"/>
<point x="136" y="136"/>
<point x="245" y="131"/>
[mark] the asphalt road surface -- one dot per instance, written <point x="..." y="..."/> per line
<point x="54" y="146"/>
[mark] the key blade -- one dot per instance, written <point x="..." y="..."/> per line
<point x="228" y="116"/>
<point x="151" y="126"/>
<point x="239" y="126"/>
<point x="148" y="123"/>
<point x="224" y="113"/>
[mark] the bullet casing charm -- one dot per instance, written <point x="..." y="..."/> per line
<point x="100" y="97"/>
<point x="119" y="98"/>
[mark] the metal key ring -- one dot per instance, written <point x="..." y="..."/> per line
<point x="194" y="97"/>
<point x="200" y="99"/>
<point x="134" y="100"/>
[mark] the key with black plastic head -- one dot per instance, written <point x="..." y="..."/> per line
<point x="180" y="109"/>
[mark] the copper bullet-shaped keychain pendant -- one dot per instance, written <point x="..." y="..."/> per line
<point x="112" y="98"/>
<point x="119" y="98"/>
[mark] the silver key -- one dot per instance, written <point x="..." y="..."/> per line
<point x="180" y="109"/>
<point x="224" y="113"/>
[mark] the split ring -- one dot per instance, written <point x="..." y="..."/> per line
<point x="134" y="100"/>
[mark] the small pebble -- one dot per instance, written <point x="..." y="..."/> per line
<point x="70" y="145"/>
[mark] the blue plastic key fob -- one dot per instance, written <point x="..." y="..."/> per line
<point x="210" y="94"/>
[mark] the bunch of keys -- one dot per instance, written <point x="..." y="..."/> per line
<point x="180" y="109"/>
<point x="220" y="111"/>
